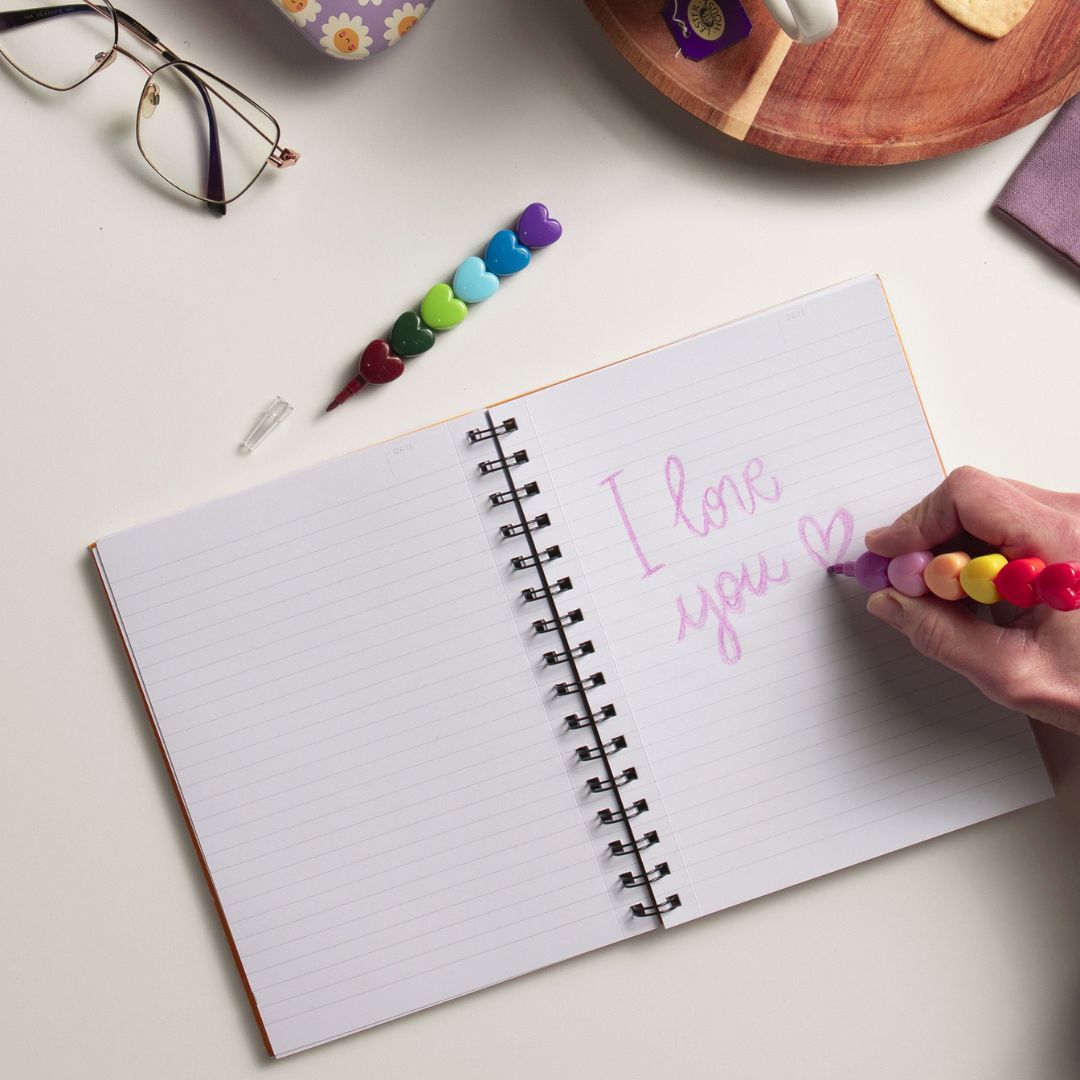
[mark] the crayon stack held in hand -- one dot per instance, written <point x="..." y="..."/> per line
<point x="957" y="576"/>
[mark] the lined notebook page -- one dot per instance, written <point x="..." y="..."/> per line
<point x="359" y="740"/>
<point x="706" y="486"/>
<point x="604" y="697"/>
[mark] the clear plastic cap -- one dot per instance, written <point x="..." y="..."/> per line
<point x="273" y="415"/>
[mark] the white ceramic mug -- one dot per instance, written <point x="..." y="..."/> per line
<point x="806" y="21"/>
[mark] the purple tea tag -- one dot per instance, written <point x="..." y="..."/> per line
<point x="702" y="27"/>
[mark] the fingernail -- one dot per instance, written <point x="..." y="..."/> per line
<point x="885" y="607"/>
<point x="871" y="536"/>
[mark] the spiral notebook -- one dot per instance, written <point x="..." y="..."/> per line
<point x="567" y="670"/>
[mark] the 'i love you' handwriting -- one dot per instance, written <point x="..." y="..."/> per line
<point x="731" y="498"/>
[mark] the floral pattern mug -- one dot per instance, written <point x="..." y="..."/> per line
<point x="353" y="29"/>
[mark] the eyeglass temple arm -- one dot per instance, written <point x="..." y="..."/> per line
<point x="9" y="20"/>
<point x="215" y="179"/>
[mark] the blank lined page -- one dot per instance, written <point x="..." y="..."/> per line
<point x="358" y="738"/>
<point x="707" y="485"/>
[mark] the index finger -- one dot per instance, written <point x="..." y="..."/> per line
<point x="969" y="500"/>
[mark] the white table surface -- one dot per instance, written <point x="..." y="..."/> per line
<point x="139" y="338"/>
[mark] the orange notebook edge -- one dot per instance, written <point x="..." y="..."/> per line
<point x="92" y="549"/>
<point x="911" y="372"/>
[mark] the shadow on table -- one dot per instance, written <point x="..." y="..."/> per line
<point x="1053" y="261"/>
<point x="1061" y="751"/>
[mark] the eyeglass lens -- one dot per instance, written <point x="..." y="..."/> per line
<point x="201" y="135"/>
<point x="57" y="45"/>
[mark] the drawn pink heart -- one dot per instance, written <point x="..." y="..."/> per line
<point x="820" y="544"/>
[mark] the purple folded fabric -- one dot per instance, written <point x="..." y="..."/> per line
<point x="1043" y="195"/>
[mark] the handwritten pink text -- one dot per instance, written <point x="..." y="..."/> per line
<point x="648" y="567"/>
<point x="726" y="597"/>
<point x="718" y="499"/>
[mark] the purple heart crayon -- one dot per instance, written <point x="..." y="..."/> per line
<point x="870" y="570"/>
<point x="535" y="229"/>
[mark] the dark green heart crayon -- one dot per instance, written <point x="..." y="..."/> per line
<point x="410" y="337"/>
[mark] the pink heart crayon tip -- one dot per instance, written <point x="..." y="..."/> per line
<point x="906" y="572"/>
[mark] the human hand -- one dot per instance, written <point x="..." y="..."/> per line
<point x="1033" y="663"/>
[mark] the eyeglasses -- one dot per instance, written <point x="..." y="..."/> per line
<point x="198" y="132"/>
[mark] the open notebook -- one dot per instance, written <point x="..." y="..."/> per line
<point x="538" y="679"/>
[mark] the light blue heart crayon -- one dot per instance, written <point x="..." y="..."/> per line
<point x="505" y="255"/>
<point x="472" y="282"/>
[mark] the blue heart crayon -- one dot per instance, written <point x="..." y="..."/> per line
<point x="504" y="255"/>
<point x="473" y="282"/>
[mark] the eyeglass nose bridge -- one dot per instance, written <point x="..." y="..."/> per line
<point x="102" y="60"/>
<point x="151" y="95"/>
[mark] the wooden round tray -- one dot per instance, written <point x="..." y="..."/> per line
<point x="898" y="81"/>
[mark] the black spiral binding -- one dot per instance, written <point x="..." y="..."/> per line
<point x="546" y="591"/>
<point x="541" y="521"/>
<point x="524" y="562"/>
<point x="576" y="653"/>
<point x="587" y="719"/>
<point x="565" y="689"/>
<point x="628" y="847"/>
<point x="612" y="746"/>
<point x="492" y="431"/>
<point x="575" y="722"/>
<point x="519" y="457"/>
<point x="545" y="626"/>
<point x="631" y="880"/>
<point x="515" y="495"/>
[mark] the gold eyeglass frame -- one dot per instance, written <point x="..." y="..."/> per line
<point x="279" y="156"/>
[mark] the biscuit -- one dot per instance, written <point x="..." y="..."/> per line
<point x="991" y="18"/>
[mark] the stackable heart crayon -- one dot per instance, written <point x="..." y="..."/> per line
<point x="956" y="576"/>
<point x="508" y="252"/>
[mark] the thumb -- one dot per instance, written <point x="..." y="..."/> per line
<point x="950" y="634"/>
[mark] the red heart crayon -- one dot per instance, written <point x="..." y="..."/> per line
<point x="378" y="364"/>
<point x="1058" y="586"/>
